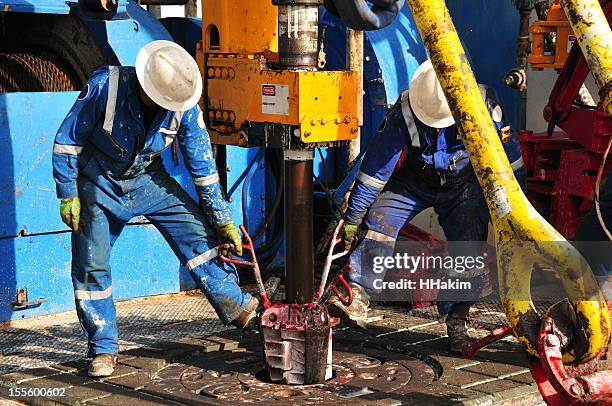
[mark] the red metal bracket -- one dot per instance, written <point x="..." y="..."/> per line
<point x="340" y="283"/>
<point x="592" y="389"/>
<point x="557" y="386"/>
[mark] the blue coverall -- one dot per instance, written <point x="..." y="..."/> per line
<point x="436" y="173"/>
<point x="104" y="155"/>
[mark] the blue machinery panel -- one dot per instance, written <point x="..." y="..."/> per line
<point x="489" y="30"/>
<point x="34" y="247"/>
<point x="34" y="244"/>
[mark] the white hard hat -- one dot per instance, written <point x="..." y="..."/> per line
<point x="427" y="98"/>
<point x="169" y="75"/>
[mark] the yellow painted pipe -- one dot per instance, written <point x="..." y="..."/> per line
<point x="522" y="236"/>
<point x="594" y="35"/>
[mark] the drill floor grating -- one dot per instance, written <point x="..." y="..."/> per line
<point x="47" y="340"/>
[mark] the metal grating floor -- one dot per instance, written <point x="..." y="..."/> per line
<point x="485" y="314"/>
<point x="47" y="340"/>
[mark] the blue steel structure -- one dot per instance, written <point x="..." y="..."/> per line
<point x="34" y="243"/>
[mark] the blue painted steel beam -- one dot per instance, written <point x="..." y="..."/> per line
<point x="186" y="32"/>
<point x="122" y="36"/>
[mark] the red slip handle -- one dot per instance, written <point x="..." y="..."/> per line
<point x="230" y="260"/>
<point x="347" y="301"/>
<point x="245" y="245"/>
<point x="253" y="264"/>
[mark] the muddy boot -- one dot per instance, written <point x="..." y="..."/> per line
<point x="247" y="320"/>
<point x="357" y="312"/>
<point x="456" y="328"/>
<point x="102" y="365"/>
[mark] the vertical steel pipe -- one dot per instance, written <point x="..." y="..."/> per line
<point x="516" y="223"/>
<point x="299" y="264"/>
<point x="594" y="35"/>
<point x="354" y="55"/>
<point x="354" y="62"/>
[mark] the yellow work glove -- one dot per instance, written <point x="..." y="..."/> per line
<point x="229" y="234"/>
<point x="348" y="234"/>
<point x="70" y="211"/>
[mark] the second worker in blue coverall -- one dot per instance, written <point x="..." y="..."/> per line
<point x="436" y="173"/>
<point x="108" y="169"/>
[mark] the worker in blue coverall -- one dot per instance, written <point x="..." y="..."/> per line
<point x="107" y="168"/>
<point x="436" y="173"/>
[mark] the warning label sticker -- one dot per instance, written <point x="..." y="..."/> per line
<point x="275" y="99"/>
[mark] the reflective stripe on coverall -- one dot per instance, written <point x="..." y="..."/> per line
<point x="436" y="173"/>
<point x="104" y="155"/>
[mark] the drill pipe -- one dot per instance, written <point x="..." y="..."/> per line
<point x="299" y="266"/>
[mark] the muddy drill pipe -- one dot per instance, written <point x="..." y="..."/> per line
<point x="299" y="267"/>
<point x="516" y="223"/>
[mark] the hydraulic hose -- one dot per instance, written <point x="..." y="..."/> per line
<point x="266" y="251"/>
<point x="523" y="237"/>
<point x="356" y="14"/>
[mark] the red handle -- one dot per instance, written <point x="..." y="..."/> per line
<point x="230" y="260"/>
<point x="248" y="245"/>
<point x="470" y="350"/>
<point x="347" y="301"/>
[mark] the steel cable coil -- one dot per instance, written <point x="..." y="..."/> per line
<point x="28" y="72"/>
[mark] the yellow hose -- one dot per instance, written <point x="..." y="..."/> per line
<point x="523" y="237"/>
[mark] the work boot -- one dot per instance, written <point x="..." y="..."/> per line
<point x="357" y="312"/>
<point x="102" y="365"/>
<point x="247" y="319"/>
<point x="456" y="327"/>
